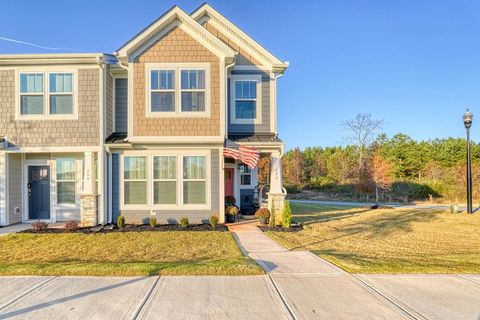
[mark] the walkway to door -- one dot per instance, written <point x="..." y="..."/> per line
<point x="313" y="288"/>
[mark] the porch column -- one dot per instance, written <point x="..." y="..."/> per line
<point x="89" y="197"/>
<point x="276" y="195"/>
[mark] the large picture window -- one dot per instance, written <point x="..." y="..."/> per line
<point x="66" y="181"/>
<point x="135" y="180"/>
<point x="165" y="180"/>
<point x="194" y="180"/>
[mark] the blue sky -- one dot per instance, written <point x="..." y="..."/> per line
<point x="415" y="64"/>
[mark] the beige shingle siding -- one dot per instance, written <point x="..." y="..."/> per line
<point x="53" y="133"/>
<point x="14" y="187"/>
<point x="243" y="58"/>
<point x="177" y="46"/>
<point x="109" y="104"/>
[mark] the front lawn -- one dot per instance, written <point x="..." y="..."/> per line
<point x="360" y="240"/>
<point x="124" y="254"/>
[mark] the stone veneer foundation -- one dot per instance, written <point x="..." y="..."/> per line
<point x="88" y="210"/>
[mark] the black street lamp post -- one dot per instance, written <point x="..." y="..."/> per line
<point x="467" y="121"/>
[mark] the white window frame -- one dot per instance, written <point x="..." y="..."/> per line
<point x="246" y="174"/>
<point x="177" y="68"/>
<point x="123" y="180"/>
<point x="179" y="206"/>
<point x="258" y="108"/>
<point x="163" y="180"/>
<point x="193" y="180"/>
<point x="66" y="205"/>
<point x="46" y="95"/>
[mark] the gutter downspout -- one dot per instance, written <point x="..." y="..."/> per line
<point x="275" y="78"/>
<point x="109" y="184"/>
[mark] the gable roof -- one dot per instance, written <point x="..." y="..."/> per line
<point x="205" y="11"/>
<point x="170" y="19"/>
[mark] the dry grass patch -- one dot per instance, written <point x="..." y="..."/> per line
<point x="124" y="254"/>
<point x="360" y="240"/>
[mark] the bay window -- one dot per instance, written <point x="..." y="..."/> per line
<point x="66" y="182"/>
<point x="135" y="180"/>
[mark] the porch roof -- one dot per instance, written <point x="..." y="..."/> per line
<point x="255" y="137"/>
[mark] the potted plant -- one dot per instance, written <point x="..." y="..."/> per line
<point x="231" y="213"/>
<point x="230" y="201"/>
<point x="262" y="214"/>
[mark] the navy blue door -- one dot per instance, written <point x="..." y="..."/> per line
<point x="38" y="192"/>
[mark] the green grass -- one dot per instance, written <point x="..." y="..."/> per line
<point x="124" y="254"/>
<point x="360" y="240"/>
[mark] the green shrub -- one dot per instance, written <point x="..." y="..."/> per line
<point x="153" y="222"/>
<point x="287" y="215"/>
<point x="214" y="221"/>
<point x="121" y="222"/>
<point x="271" y="223"/>
<point x="184" y="222"/>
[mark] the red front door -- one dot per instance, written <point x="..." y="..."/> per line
<point x="229" y="181"/>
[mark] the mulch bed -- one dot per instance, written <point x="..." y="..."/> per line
<point x="293" y="228"/>
<point x="131" y="228"/>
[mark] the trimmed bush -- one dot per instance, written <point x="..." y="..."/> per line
<point x="153" y="222"/>
<point x="184" y="222"/>
<point x="214" y="221"/>
<point x="71" y="225"/>
<point x="39" y="225"/>
<point x="287" y="215"/>
<point x="121" y="222"/>
<point x="271" y="222"/>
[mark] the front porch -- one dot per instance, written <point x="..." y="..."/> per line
<point x="261" y="186"/>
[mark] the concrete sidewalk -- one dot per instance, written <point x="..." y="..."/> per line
<point x="299" y="285"/>
<point x="313" y="288"/>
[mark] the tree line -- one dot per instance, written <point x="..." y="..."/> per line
<point x="372" y="165"/>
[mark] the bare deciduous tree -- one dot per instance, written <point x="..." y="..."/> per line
<point x="360" y="132"/>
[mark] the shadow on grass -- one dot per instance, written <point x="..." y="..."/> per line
<point x="311" y="213"/>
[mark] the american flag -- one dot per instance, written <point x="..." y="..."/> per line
<point x="248" y="155"/>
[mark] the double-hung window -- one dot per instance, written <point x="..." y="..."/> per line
<point x="193" y="90"/>
<point x="245" y="175"/>
<point x="165" y="180"/>
<point x="46" y="94"/>
<point x="162" y="90"/>
<point x="31" y="93"/>
<point x="66" y="182"/>
<point x="245" y="99"/>
<point x="61" y="93"/>
<point x="135" y="180"/>
<point x="177" y="90"/>
<point x="194" y="180"/>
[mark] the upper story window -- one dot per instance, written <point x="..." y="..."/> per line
<point x="246" y="99"/>
<point x="46" y="95"/>
<point x="177" y="90"/>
